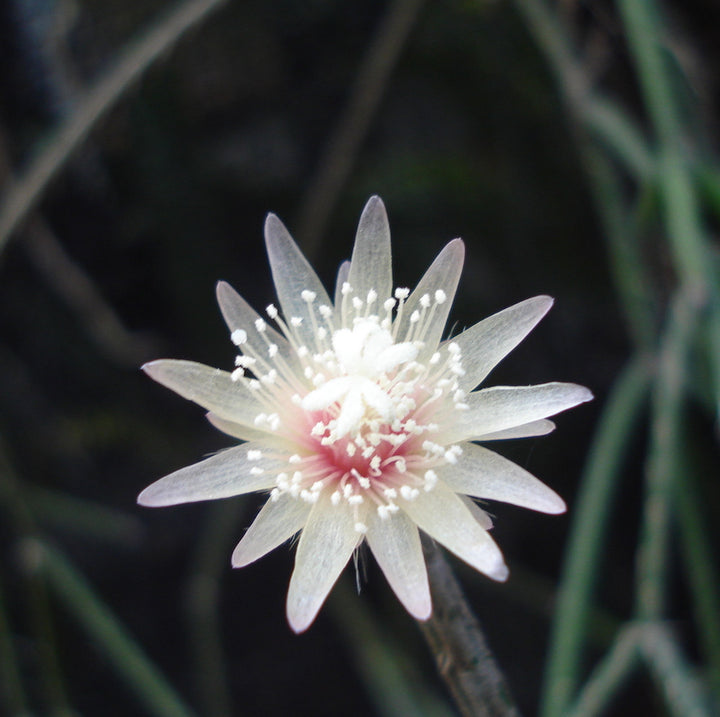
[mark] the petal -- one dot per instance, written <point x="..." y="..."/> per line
<point x="443" y="275"/>
<point x="482" y="518"/>
<point x="326" y="544"/>
<point x="371" y="267"/>
<point x="238" y="314"/>
<point x="342" y="277"/>
<point x="527" y="430"/>
<point x="395" y="543"/>
<point x="489" y="341"/>
<point x="277" y="521"/>
<point x="293" y="275"/>
<point x="224" y="475"/>
<point x="502" y="407"/>
<point x="237" y="430"/>
<point x="484" y="474"/>
<point x="444" y="516"/>
<point x="209" y="387"/>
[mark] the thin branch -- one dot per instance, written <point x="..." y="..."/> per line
<point x="97" y="100"/>
<point x="458" y="644"/>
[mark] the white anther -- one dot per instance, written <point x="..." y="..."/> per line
<point x="389" y="304"/>
<point x="325" y="311"/>
<point x="272" y="350"/>
<point x="345" y="289"/>
<point x="238" y="337"/>
<point x="254" y="455"/>
<point x="408" y="492"/>
<point x="256" y="471"/>
<point x="308" y="296"/>
<point x="425" y="301"/>
<point x="415" y="317"/>
<point x="361" y="528"/>
<point x="371" y="297"/>
<point x="402" y="294"/>
<point x="237" y="374"/>
<point x="440" y="297"/>
<point x="272" y="311"/>
<point x="295" y="321"/>
<point x="260" y="326"/>
<point x="430" y="480"/>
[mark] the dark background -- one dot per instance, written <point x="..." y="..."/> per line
<point x="470" y="138"/>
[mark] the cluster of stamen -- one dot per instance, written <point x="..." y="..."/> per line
<point x="361" y="405"/>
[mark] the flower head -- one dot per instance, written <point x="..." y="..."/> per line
<point x="361" y="423"/>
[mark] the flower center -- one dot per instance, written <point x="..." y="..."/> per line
<point x="363" y="406"/>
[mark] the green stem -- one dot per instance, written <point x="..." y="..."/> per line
<point x="107" y="633"/>
<point x="610" y="674"/>
<point x="662" y="463"/>
<point x="673" y="677"/>
<point x="700" y="568"/>
<point x="51" y="682"/>
<point x="587" y="533"/>
<point x="641" y="21"/>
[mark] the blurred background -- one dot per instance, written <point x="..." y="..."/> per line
<point x="572" y="145"/>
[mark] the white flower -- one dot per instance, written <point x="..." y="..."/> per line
<point x="361" y="423"/>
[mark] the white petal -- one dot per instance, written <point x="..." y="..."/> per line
<point x="443" y="275"/>
<point x="342" y="277"/>
<point x="370" y="267"/>
<point x="482" y="518"/>
<point x="395" y="543"/>
<point x="326" y="544"/>
<point x="209" y="387"/>
<point x="484" y="474"/>
<point x="293" y="275"/>
<point x="502" y="407"/>
<point x="527" y="430"/>
<point x="489" y="341"/>
<point x="224" y="475"/>
<point x="277" y="521"/>
<point x="443" y="515"/>
<point x="237" y="430"/>
<point x="238" y="314"/>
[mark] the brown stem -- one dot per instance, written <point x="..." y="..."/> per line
<point x="461" y="652"/>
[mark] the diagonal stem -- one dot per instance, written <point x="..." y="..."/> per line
<point x="458" y="644"/>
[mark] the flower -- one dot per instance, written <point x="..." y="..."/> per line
<point x="361" y="423"/>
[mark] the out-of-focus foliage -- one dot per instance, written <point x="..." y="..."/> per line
<point x="571" y="145"/>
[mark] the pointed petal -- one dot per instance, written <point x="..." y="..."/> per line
<point x="342" y="277"/>
<point x="484" y="474"/>
<point x="502" y="407"/>
<point x="482" y="518"/>
<point x="277" y="521"/>
<point x="325" y="546"/>
<point x="443" y="516"/>
<point x="237" y="430"/>
<point x="489" y="341"/>
<point x="370" y="267"/>
<point x="443" y="274"/>
<point x="395" y="543"/>
<point x="223" y="475"/>
<point x="238" y="314"/>
<point x="293" y="275"/>
<point x="527" y="430"/>
<point x="209" y="387"/>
